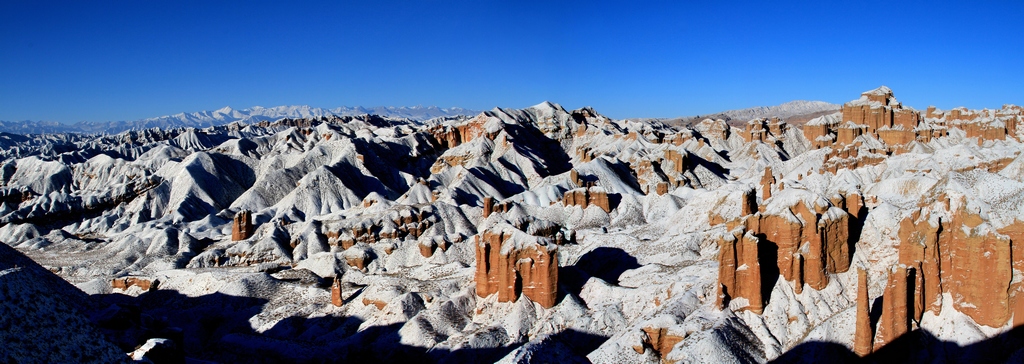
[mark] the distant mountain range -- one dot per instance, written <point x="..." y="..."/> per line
<point x="794" y="112"/>
<point x="228" y="115"/>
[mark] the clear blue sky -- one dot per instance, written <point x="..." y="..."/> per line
<point x="125" y="60"/>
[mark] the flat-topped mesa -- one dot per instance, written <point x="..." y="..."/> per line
<point x="242" y="227"/>
<point x="896" y="135"/>
<point x="848" y="132"/>
<point x="820" y="131"/>
<point x="510" y="261"/>
<point x="877" y="113"/>
<point x="982" y="124"/>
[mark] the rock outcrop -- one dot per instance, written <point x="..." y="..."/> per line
<point x="488" y="206"/>
<point x="511" y="262"/>
<point x="895" y="320"/>
<point x="585" y="197"/>
<point x="863" y="340"/>
<point x="767" y="180"/>
<point x="807" y="244"/>
<point x="336" y="298"/>
<point x="660" y="340"/>
<point x="124" y="282"/>
<point x="739" y="270"/>
<point x="242" y="227"/>
<point x="878" y="116"/>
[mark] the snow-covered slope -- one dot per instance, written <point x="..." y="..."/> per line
<point x="537" y="235"/>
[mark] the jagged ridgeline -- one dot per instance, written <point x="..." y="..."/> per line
<point x="539" y="234"/>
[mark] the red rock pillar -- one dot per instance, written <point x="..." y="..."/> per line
<point x="242" y="228"/>
<point x="488" y="206"/>
<point x="894" y="321"/>
<point x="862" y="340"/>
<point x="336" y="292"/>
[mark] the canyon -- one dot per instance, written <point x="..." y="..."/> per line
<point x="522" y="235"/>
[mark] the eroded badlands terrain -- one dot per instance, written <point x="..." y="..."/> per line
<point x="532" y="235"/>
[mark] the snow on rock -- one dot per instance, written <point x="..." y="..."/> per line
<point x="532" y="235"/>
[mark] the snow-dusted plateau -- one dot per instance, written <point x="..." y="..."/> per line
<point x="877" y="232"/>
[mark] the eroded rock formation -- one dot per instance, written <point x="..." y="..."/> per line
<point x="659" y="339"/>
<point x="510" y="262"/>
<point x="895" y="320"/>
<point x="488" y="206"/>
<point x="879" y="116"/>
<point x="585" y="197"/>
<point x="863" y="334"/>
<point x="806" y="243"/>
<point x="242" y="227"/>
<point x="124" y="282"/>
<point x="739" y="270"/>
<point x="336" y="298"/>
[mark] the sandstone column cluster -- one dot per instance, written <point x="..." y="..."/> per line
<point x="511" y="262"/>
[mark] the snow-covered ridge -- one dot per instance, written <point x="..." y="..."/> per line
<point x="782" y="111"/>
<point x="526" y="235"/>
<point x="228" y="115"/>
<point x="796" y="112"/>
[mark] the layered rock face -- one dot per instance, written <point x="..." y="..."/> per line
<point x="242" y="227"/>
<point x="894" y="321"/>
<point x="879" y="115"/>
<point x="398" y="224"/>
<point x="739" y="270"/>
<point x="949" y="252"/>
<point x="511" y="262"/>
<point x="585" y="197"/>
<point x="965" y="257"/>
<point x="807" y="243"/>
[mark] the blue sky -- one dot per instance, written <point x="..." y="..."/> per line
<point x="125" y="60"/>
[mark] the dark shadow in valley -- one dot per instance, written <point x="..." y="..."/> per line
<point x="695" y="160"/>
<point x="217" y="327"/>
<point x="607" y="263"/>
<point x="856" y="227"/>
<point x="547" y="154"/>
<point x="918" y="346"/>
<point x="486" y="175"/>
<point x="767" y="251"/>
